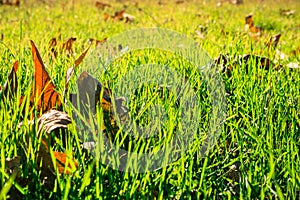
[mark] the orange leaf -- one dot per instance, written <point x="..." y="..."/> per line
<point x="44" y="89"/>
<point x="61" y="161"/>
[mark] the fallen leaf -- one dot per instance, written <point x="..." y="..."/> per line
<point x="293" y="65"/>
<point x="254" y="31"/>
<point x="70" y="71"/>
<point x="273" y="41"/>
<point x="200" y="32"/>
<point x="10" y="3"/>
<point x="47" y="123"/>
<point x="43" y="90"/>
<point x="98" y="43"/>
<point x="236" y="2"/>
<point x="53" y="46"/>
<point x="264" y="62"/>
<point x="92" y="93"/>
<point x="179" y="2"/>
<point x="67" y="46"/>
<point x="286" y="12"/>
<point x="119" y="16"/>
<point x="101" y="6"/>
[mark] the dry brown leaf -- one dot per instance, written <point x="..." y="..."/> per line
<point x="179" y="2"/>
<point x="254" y="31"/>
<point x="52" y="120"/>
<point x="200" y="34"/>
<point x="10" y="3"/>
<point x="86" y="93"/>
<point x="53" y="46"/>
<point x="98" y="43"/>
<point x="286" y="12"/>
<point x="119" y="16"/>
<point x="101" y="6"/>
<point x="70" y="71"/>
<point x="223" y="62"/>
<point x="273" y="41"/>
<point x="48" y="122"/>
<point x="67" y="46"/>
<point x="236" y="2"/>
<point x="44" y="90"/>
<point x="264" y="62"/>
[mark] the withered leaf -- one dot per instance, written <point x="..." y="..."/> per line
<point x="70" y="71"/>
<point x="286" y="12"/>
<point x="48" y="122"/>
<point x="52" y="120"/>
<point x="179" y="2"/>
<point x="90" y="92"/>
<point x="101" y="6"/>
<point x="119" y="16"/>
<point x="296" y="51"/>
<point x="10" y="3"/>
<point x="53" y="47"/>
<point x="273" y="41"/>
<point x="43" y="90"/>
<point x="98" y="43"/>
<point x="67" y="46"/>
<point x="254" y="31"/>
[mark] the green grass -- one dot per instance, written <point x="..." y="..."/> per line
<point x="257" y="153"/>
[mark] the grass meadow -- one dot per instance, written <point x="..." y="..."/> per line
<point x="256" y="156"/>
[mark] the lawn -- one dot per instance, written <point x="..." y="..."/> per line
<point x="256" y="154"/>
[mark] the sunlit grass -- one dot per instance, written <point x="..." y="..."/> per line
<point x="257" y="154"/>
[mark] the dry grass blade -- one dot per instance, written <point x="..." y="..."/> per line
<point x="11" y="85"/>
